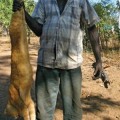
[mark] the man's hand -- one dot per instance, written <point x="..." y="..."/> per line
<point x="98" y="70"/>
<point x="17" y="5"/>
<point x="99" y="73"/>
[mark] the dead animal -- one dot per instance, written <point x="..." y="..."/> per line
<point x="20" y="102"/>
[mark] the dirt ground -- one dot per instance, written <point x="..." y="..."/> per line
<point x="98" y="103"/>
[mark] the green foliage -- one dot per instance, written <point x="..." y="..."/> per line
<point x="6" y="10"/>
<point x="29" y="5"/>
<point x="108" y="25"/>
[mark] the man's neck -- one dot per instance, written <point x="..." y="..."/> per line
<point x="61" y="5"/>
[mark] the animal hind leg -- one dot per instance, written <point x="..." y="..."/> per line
<point x="25" y="113"/>
<point x="29" y="108"/>
<point x="11" y="110"/>
<point x="11" y="105"/>
<point x="28" y="111"/>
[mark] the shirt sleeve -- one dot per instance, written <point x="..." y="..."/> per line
<point x="38" y="13"/>
<point x="89" y="15"/>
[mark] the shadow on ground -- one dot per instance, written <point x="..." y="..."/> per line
<point x="96" y="103"/>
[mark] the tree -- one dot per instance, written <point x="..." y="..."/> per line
<point x="118" y="5"/>
<point x="107" y="13"/>
<point x="118" y="30"/>
<point x="5" y="13"/>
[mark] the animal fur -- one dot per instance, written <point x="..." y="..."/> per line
<point x="20" y="102"/>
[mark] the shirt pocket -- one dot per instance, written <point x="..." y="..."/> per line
<point x="75" y="14"/>
<point x="76" y="11"/>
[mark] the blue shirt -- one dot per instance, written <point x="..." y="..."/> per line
<point x="61" y="40"/>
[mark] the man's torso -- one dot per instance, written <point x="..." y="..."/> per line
<point x="61" y="40"/>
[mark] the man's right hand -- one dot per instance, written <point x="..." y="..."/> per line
<point x="17" y="5"/>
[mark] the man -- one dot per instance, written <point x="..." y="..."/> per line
<point x="58" y="23"/>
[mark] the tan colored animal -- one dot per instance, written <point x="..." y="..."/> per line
<point x="20" y="102"/>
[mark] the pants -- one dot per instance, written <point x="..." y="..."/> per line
<point x="48" y="83"/>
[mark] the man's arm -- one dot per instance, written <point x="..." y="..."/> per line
<point x="33" y="24"/>
<point x="94" y="40"/>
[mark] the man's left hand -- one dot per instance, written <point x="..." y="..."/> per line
<point x="98" y="70"/>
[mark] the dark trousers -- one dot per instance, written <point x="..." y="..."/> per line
<point x="48" y="83"/>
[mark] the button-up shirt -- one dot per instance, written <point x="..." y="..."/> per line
<point x="61" y="40"/>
